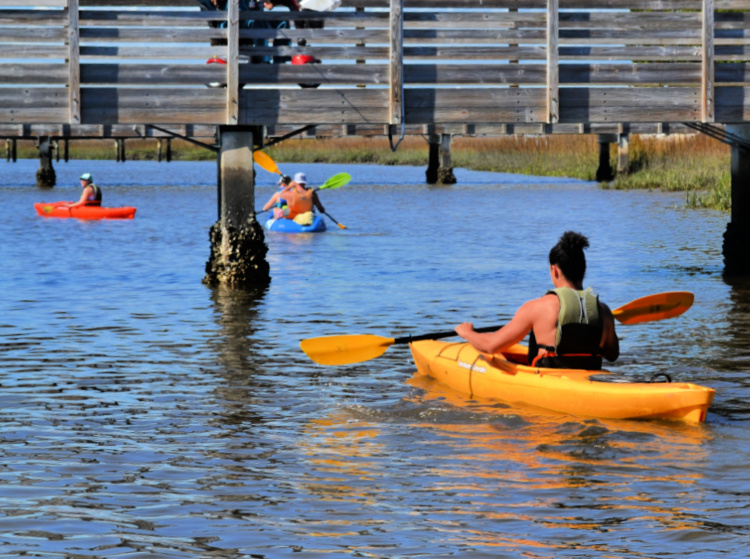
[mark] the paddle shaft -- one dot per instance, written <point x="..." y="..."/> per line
<point x="336" y="222"/>
<point x="438" y="335"/>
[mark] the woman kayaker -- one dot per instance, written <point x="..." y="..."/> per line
<point x="91" y="195"/>
<point x="569" y="327"/>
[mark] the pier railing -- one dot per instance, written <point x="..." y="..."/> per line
<point x="481" y="65"/>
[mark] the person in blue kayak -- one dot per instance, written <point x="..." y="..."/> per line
<point x="568" y="327"/>
<point x="295" y="200"/>
<point x="91" y="195"/>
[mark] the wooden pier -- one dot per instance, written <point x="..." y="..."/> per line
<point x="122" y="68"/>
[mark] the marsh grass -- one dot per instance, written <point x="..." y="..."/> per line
<point x="694" y="164"/>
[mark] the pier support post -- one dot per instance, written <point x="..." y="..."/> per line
<point x="604" y="173"/>
<point x="737" y="235"/>
<point x="45" y="175"/>
<point x="440" y="163"/>
<point x="623" y="155"/>
<point x="238" y="247"/>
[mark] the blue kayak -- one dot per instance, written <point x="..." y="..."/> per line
<point x="290" y="226"/>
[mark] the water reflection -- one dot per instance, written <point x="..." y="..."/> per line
<point x="240" y="361"/>
<point x="731" y="352"/>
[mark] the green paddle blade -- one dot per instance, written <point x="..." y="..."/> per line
<point x="346" y="349"/>
<point x="654" y="307"/>
<point x="336" y="181"/>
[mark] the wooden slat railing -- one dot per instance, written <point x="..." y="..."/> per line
<point x="382" y="62"/>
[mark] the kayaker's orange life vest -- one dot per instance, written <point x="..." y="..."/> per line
<point x="299" y="202"/>
<point x="579" y="333"/>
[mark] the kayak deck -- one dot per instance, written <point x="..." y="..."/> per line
<point x="284" y="225"/>
<point x="60" y="209"/>
<point x="503" y="377"/>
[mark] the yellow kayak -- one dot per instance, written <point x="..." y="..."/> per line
<point x="578" y="392"/>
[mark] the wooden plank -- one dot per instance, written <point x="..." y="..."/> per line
<point x="475" y="74"/>
<point x="166" y="52"/>
<point x="553" y="76"/>
<point x="418" y="37"/>
<point x="484" y="105"/>
<point x="114" y="35"/>
<point x="93" y="131"/>
<point x="707" y="62"/>
<point x="36" y="74"/>
<point x="651" y="53"/>
<point x="642" y="104"/>
<point x="732" y="104"/>
<point x="98" y="18"/>
<point x="74" y="68"/>
<point x="471" y="52"/>
<point x="152" y="106"/>
<point x="631" y="74"/>
<point x="41" y="18"/>
<point x="34" y="3"/>
<point x="652" y="21"/>
<point x="326" y="74"/>
<point x="396" y="74"/>
<point x="33" y="51"/>
<point x="732" y="74"/>
<point x="311" y="106"/>
<point x="233" y="62"/>
<point x="33" y="105"/>
<point x="137" y="3"/>
<point x="153" y="74"/>
<point x="40" y="35"/>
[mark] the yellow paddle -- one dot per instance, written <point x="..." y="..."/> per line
<point x="269" y="165"/>
<point x="355" y="348"/>
<point x="654" y="307"/>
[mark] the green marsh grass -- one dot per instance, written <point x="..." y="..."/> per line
<point x="694" y="164"/>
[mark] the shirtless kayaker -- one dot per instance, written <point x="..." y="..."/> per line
<point x="297" y="198"/>
<point x="569" y="326"/>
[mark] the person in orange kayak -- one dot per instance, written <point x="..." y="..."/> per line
<point x="91" y="195"/>
<point x="568" y="327"/>
<point x="299" y="200"/>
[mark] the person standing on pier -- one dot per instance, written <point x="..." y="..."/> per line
<point x="91" y="195"/>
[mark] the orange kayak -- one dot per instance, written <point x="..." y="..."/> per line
<point x="59" y="209"/>
<point x="600" y="394"/>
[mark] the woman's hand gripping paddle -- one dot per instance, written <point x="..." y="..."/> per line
<point x="355" y="348"/>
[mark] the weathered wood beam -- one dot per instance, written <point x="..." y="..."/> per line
<point x="233" y="61"/>
<point x="553" y="77"/>
<point x="74" y="67"/>
<point x="396" y="74"/>
<point x="707" y="63"/>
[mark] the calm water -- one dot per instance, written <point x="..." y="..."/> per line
<point x="143" y="414"/>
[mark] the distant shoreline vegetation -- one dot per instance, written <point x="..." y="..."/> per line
<point x="694" y="164"/>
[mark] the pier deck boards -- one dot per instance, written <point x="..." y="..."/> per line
<point x="552" y="65"/>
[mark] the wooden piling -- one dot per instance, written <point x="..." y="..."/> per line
<point x="604" y="173"/>
<point x="623" y="155"/>
<point x="238" y="248"/>
<point x="737" y="234"/>
<point x="440" y="162"/>
<point x="45" y="175"/>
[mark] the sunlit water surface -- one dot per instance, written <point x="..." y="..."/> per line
<point x="143" y="414"/>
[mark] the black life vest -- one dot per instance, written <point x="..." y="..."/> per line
<point x="578" y="336"/>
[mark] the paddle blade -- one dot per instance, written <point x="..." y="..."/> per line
<point x="266" y="162"/>
<point x="346" y="349"/>
<point x="336" y="181"/>
<point x="654" y="307"/>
